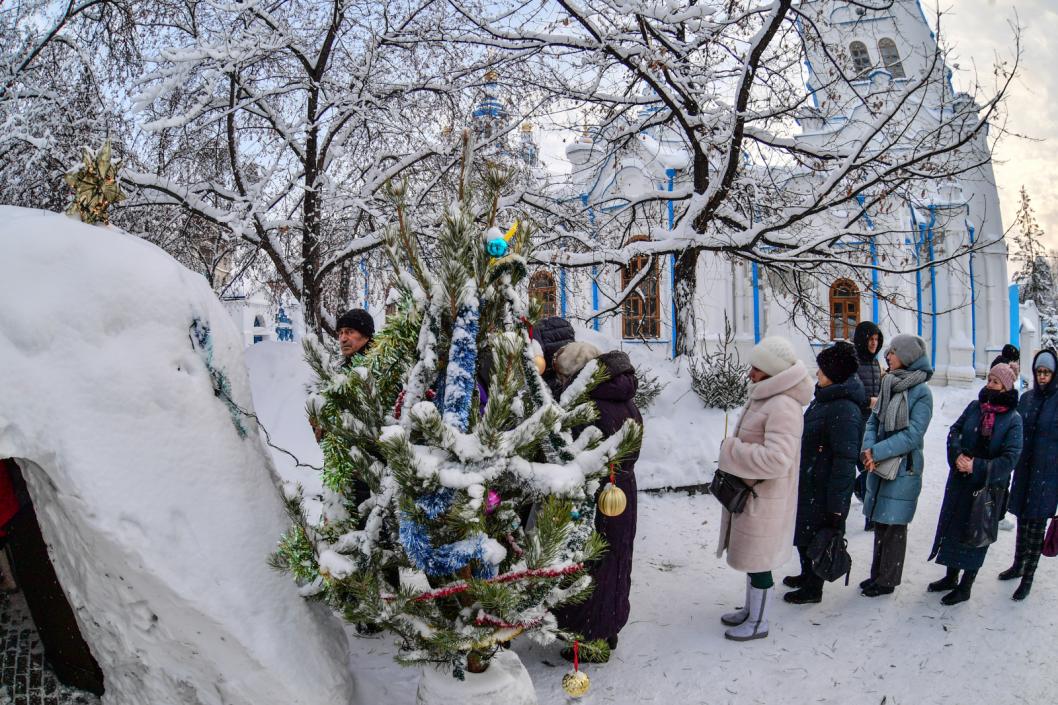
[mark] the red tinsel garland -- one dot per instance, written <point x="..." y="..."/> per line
<point x="461" y="587"/>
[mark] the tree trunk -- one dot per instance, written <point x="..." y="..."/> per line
<point x="684" y="287"/>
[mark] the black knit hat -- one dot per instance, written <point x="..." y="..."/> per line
<point x="1011" y="353"/>
<point x="359" y="320"/>
<point x="838" y="362"/>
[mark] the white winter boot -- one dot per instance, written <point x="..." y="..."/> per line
<point x="756" y="624"/>
<point x="733" y="619"/>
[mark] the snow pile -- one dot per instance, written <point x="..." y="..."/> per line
<point x="159" y="512"/>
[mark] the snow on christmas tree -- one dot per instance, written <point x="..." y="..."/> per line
<point x="439" y="441"/>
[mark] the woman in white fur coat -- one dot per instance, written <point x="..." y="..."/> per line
<point x="765" y="451"/>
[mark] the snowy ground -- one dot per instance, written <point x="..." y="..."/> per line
<point x="901" y="649"/>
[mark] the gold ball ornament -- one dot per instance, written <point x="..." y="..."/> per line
<point x="576" y="683"/>
<point x="541" y="364"/>
<point x="612" y="500"/>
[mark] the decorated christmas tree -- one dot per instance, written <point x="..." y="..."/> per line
<point x="474" y="517"/>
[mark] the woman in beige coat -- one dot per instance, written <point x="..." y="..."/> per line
<point x="765" y="451"/>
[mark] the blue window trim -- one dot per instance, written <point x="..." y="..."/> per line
<point x="594" y="272"/>
<point x="1014" y="292"/>
<point x="872" y="243"/>
<point x="971" y="231"/>
<point x="367" y="282"/>
<point x="671" y="173"/>
<point x="756" y="303"/>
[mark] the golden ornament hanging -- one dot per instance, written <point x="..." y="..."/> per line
<point x="541" y="364"/>
<point x="576" y="683"/>
<point x="95" y="186"/>
<point x="612" y="500"/>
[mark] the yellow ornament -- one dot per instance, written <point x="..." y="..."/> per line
<point x="612" y="500"/>
<point x="541" y="364"/>
<point x="576" y="683"/>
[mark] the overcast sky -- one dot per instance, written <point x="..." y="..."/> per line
<point x="978" y="31"/>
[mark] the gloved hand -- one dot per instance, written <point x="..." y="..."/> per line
<point x="834" y="521"/>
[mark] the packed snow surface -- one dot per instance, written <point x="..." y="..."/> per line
<point x="906" y="648"/>
<point x="159" y="513"/>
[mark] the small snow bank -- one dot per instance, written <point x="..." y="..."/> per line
<point x="681" y="438"/>
<point x="279" y="379"/>
<point x="159" y="513"/>
<point x="680" y="445"/>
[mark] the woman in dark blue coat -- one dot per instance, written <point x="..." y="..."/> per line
<point x="983" y="448"/>
<point x="830" y="447"/>
<point x="1034" y="492"/>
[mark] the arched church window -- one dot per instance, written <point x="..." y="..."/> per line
<point x="891" y="57"/>
<point x="542" y="290"/>
<point x="861" y="60"/>
<point x="641" y="314"/>
<point x="844" y="309"/>
<point x="258" y="322"/>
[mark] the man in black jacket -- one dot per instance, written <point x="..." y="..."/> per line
<point x="868" y="340"/>
<point x="553" y="334"/>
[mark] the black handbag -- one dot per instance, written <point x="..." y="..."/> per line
<point x="986" y="510"/>
<point x="829" y="553"/>
<point x="732" y="491"/>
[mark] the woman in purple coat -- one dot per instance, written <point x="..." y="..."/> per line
<point x="605" y="612"/>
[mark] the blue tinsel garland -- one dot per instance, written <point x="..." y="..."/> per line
<point x="443" y="560"/>
<point x="436" y="503"/>
<point x="202" y="342"/>
<point x="462" y="365"/>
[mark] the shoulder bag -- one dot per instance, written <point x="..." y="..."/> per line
<point x="986" y="509"/>
<point x="732" y="491"/>
<point x="887" y="469"/>
<point x="829" y="553"/>
<point x="1050" y="541"/>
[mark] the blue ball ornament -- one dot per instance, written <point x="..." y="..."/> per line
<point x="574" y="515"/>
<point x="497" y="247"/>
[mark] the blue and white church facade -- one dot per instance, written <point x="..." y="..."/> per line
<point x="961" y="307"/>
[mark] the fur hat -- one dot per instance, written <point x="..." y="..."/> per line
<point x="1004" y="374"/>
<point x="908" y="348"/>
<point x="359" y="320"/>
<point x="838" y="362"/>
<point x="773" y="355"/>
<point x="571" y="358"/>
<point x="1011" y="353"/>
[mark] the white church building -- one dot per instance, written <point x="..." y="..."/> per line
<point x="961" y="307"/>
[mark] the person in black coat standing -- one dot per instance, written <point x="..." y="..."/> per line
<point x="868" y="340"/>
<point x="599" y="618"/>
<point x="830" y="446"/>
<point x="553" y="334"/>
<point x="983" y="447"/>
<point x="1034" y="490"/>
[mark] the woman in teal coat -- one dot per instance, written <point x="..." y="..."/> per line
<point x="896" y="428"/>
<point x="983" y="448"/>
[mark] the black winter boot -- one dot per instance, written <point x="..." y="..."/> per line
<point x="876" y="590"/>
<point x="949" y="582"/>
<point x="794" y="581"/>
<point x="804" y="596"/>
<point x="1023" y="589"/>
<point x="1014" y="571"/>
<point x="962" y="592"/>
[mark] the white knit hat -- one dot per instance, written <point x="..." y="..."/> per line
<point x="773" y="355"/>
<point x="571" y="358"/>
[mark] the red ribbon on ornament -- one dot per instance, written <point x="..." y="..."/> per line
<point x="612" y="473"/>
<point x="576" y="655"/>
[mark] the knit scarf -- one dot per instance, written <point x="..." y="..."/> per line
<point x="994" y="402"/>
<point x="892" y="401"/>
